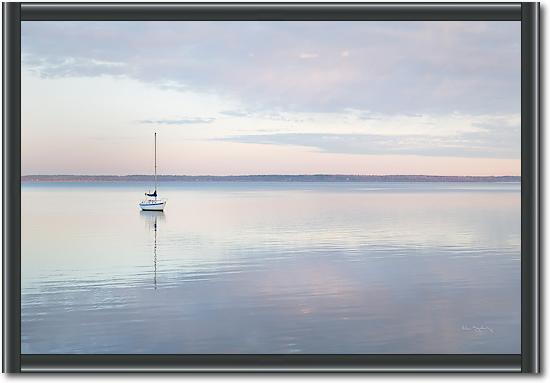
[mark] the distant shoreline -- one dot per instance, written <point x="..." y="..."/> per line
<point x="269" y="178"/>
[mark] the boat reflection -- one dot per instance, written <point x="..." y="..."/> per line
<point x="152" y="218"/>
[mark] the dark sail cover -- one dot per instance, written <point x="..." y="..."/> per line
<point x="154" y="194"/>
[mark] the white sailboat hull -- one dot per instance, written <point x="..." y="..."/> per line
<point x="152" y="205"/>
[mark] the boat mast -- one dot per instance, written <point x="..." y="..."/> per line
<point x="155" y="163"/>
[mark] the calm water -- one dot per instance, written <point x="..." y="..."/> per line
<point x="272" y="268"/>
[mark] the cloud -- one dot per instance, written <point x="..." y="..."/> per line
<point x="306" y="56"/>
<point x="267" y="115"/>
<point x="464" y="145"/>
<point x="183" y="121"/>
<point x="235" y="113"/>
<point x="433" y="67"/>
<point x="366" y="115"/>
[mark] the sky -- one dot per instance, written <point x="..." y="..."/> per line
<point x="296" y="97"/>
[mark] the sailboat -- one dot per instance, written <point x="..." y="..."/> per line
<point x="152" y="202"/>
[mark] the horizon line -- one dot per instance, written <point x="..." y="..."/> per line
<point x="268" y="175"/>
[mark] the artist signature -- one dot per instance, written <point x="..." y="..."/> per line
<point x="478" y="329"/>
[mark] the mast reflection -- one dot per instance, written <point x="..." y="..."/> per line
<point x="152" y="218"/>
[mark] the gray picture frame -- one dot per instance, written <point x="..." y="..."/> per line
<point x="527" y="361"/>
